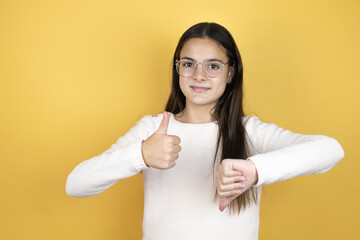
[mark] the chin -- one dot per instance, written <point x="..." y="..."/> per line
<point x="201" y="102"/>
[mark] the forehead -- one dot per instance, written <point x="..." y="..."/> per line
<point x="201" y="49"/>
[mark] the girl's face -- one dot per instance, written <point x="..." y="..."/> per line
<point x="199" y="89"/>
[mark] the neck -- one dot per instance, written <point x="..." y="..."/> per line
<point x="195" y="114"/>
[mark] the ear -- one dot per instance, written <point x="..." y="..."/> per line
<point x="230" y="74"/>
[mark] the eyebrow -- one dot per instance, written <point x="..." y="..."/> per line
<point x="210" y="59"/>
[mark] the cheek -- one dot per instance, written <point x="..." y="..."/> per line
<point x="181" y="83"/>
<point x="183" y="88"/>
<point x="221" y="86"/>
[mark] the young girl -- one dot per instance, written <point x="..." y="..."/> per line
<point x="203" y="155"/>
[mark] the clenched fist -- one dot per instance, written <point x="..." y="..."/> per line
<point x="161" y="150"/>
<point x="233" y="177"/>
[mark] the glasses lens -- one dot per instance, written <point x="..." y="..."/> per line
<point x="185" y="67"/>
<point x="213" y="68"/>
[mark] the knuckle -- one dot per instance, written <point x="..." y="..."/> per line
<point x="162" y="166"/>
<point x="177" y="148"/>
<point x="226" y="161"/>
<point x="222" y="180"/>
<point x="237" y="192"/>
<point x="165" y="165"/>
<point x="168" y="138"/>
<point x="168" y="158"/>
<point x="239" y="179"/>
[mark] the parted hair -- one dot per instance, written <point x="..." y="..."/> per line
<point x="228" y="111"/>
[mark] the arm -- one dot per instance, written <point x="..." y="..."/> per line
<point x="122" y="160"/>
<point x="284" y="154"/>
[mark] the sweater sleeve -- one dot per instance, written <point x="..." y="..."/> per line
<point x="123" y="159"/>
<point x="283" y="154"/>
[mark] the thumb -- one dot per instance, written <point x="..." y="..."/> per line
<point x="225" y="202"/>
<point x="164" y="124"/>
<point x="238" y="165"/>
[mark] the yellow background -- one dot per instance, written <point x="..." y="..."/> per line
<point x="76" y="75"/>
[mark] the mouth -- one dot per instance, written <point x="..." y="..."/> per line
<point x="199" y="89"/>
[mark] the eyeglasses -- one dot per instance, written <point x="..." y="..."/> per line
<point x="212" y="68"/>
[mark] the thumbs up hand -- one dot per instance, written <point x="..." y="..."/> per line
<point x="233" y="177"/>
<point x="161" y="150"/>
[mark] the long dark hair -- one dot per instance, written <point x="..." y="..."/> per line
<point x="228" y="111"/>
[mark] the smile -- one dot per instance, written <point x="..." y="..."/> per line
<point x="199" y="89"/>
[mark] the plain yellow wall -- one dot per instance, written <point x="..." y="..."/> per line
<point x="76" y="75"/>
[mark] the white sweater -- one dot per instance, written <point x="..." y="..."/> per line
<point x="179" y="201"/>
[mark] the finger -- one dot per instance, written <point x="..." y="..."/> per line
<point x="230" y="180"/>
<point x="176" y="156"/>
<point x="177" y="148"/>
<point x="164" y="124"/>
<point x="232" y="193"/>
<point x="225" y="202"/>
<point x="231" y="173"/>
<point x="168" y="165"/>
<point x="172" y="164"/>
<point x="231" y="187"/>
<point x="240" y="165"/>
<point x="175" y="139"/>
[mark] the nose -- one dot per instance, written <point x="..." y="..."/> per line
<point x="199" y="73"/>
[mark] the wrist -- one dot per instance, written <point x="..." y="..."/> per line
<point x="255" y="173"/>
<point x="142" y="153"/>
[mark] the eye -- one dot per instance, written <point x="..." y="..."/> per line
<point x="187" y="64"/>
<point x="213" y="66"/>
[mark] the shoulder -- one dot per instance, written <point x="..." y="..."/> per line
<point x="150" y="121"/>
<point x="254" y="122"/>
<point x="245" y="119"/>
<point x="151" y="118"/>
<point x="145" y="126"/>
<point x="250" y="122"/>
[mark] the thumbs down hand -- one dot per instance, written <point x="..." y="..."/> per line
<point x="234" y="177"/>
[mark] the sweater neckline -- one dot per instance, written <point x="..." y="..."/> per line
<point x="192" y="124"/>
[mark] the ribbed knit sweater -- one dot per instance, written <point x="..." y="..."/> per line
<point x="179" y="201"/>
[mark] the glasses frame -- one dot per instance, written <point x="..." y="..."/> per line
<point x="203" y="64"/>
